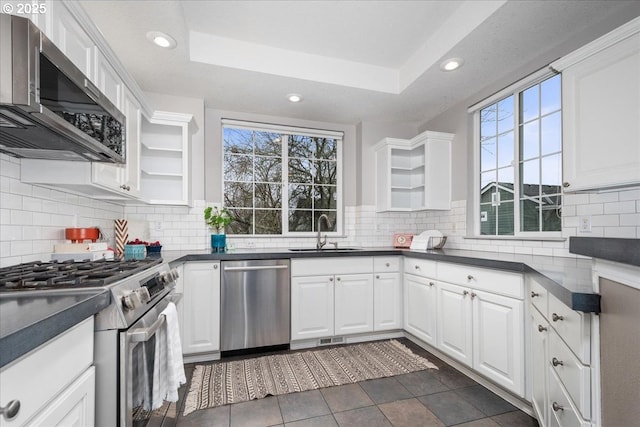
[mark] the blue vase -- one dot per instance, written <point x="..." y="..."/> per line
<point x="218" y="243"/>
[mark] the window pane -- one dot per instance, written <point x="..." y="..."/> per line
<point x="332" y="219"/>
<point x="552" y="213"/>
<point x="324" y="197"/>
<point x="552" y="171"/>
<point x="268" y="196"/>
<point x="238" y="194"/>
<point x="242" y="221"/>
<point x="505" y="149"/>
<point x="487" y="183"/>
<point x="268" y="144"/>
<point x="488" y="151"/>
<point x="504" y="212"/>
<point x="238" y="141"/>
<point x="550" y="95"/>
<point x="530" y="214"/>
<point x="551" y="133"/>
<point x="529" y="104"/>
<point x="326" y="148"/>
<point x="488" y="220"/>
<point x="301" y="146"/>
<point x="300" y="196"/>
<point x="506" y="181"/>
<point x="530" y="141"/>
<point x="530" y="177"/>
<point x="488" y="119"/>
<point x="268" y="169"/>
<point x="300" y="171"/>
<point x="300" y="220"/>
<point x="268" y="221"/>
<point x="238" y="168"/>
<point x="505" y="115"/>
<point x="325" y="172"/>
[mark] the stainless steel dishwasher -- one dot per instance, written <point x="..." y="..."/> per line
<point x="255" y="304"/>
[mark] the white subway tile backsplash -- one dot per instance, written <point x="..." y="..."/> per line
<point x="591" y="209"/>
<point x="630" y="219"/>
<point x="622" y="232"/>
<point x="603" y="197"/>
<point x="10" y="201"/>
<point x="620" y="207"/>
<point x="629" y="195"/>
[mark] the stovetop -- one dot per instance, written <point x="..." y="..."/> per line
<point x="39" y="275"/>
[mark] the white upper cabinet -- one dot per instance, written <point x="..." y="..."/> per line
<point x="601" y="108"/>
<point x="164" y="158"/>
<point x="414" y="174"/>
<point x="70" y="38"/>
<point x="107" y="80"/>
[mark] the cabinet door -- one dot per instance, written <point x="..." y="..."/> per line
<point x="108" y="80"/>
<point x="539" y="343"/>
<point x="387" y="301"/>
<point x="74" y="406"/>
<point x="498" y="339"/>
<point x="130" y="172"/>
<point x="420" y="307"/>
<point x="353" y="303"/>
<point x="71" y="39"/>
<point x="311" y="307"/>
<point x="601" y="134"/>
<point x="454" y="322"/>
<point x="201" y="309"/>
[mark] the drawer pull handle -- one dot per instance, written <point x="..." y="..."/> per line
<point x="417" y="267"/>
<point x="338" y="279"/>
<point x="555" y="317"/>
<point x="541" y="328"/>
<point x="331" y="279"/>
<point x="378" y="276"/>
<point x="473" y="295"/>
<point x="556" y="407"/>
<point x="469" y="277"/>
<point x="465" y="293"/>
<point x="431" y="283"/>
<point x="10" y="411"/>
<point x="387" y="264"/>
<point x="556" y="362"/>
<point x="534" y="294"/>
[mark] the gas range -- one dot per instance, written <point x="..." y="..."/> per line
<point x="135" y="285"/>
<point x="53" y="275"/>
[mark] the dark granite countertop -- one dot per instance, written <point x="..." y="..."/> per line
<point x="29" y="319"/>
<point x="626" y="251"/>
<point x="568" y="279"/>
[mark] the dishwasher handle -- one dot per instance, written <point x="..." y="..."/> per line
<point x="257" y="267"/>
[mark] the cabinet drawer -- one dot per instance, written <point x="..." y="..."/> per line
<point x="383" y="264"/>
<point x="420" y="267"/>
<point x="568" y="416"/>
<point x="573" y="327"/>
<point x="497" y="282"/>
<point x="537" y="295"/>
<point x="43" y="373"/>
<point x="331" y="266"/>
<point x="575" y="377"/>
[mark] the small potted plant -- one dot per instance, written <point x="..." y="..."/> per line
<point x="217" y="219"/>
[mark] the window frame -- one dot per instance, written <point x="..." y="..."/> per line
<point x="512" y="90"/>
<point x="290" y="130"/>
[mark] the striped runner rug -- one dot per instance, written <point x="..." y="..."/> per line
<point x="222" y="383"/>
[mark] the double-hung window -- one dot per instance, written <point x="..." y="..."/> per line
<point x="278" y="180"/>
<point x="519" y="160"/>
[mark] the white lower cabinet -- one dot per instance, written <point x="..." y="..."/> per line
<point x="420" y="307"/>
<point x="353" y="303"/>
<point x="387" y="301"/>
<point x="539" y="332"/>
<point x="55" y="383"/>
<point x="312" y="307"/>
<point x="454" y="322"/>
<point x="201" y="307"/>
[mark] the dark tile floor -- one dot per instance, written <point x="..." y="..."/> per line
<point x="442" y="397"/>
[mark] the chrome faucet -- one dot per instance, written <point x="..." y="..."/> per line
<point x="321" y="243"/>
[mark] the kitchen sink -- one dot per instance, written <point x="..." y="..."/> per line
<point x="325" y="250"/>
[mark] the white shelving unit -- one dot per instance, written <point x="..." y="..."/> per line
<point x="164" y="158"/>
<point x="414" y="174"/>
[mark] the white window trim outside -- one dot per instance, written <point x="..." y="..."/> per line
<point x="513" y="89"/>
<point x="290" y="130"/>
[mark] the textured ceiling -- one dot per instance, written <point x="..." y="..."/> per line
<point x="352" y="61"/>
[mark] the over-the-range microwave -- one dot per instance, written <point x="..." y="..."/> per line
<point x="48" y="108"/>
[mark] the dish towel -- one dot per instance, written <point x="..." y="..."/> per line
<point x="168" y="368"/>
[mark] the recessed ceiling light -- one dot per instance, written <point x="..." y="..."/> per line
<point x="451" y="64"/>
<point x="294" y="97"/>
<point x="161" y="39"/>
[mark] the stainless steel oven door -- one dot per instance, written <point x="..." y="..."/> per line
<point x="137" y="352"/>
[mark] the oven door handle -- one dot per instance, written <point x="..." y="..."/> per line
<point x="145" y="334"/>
